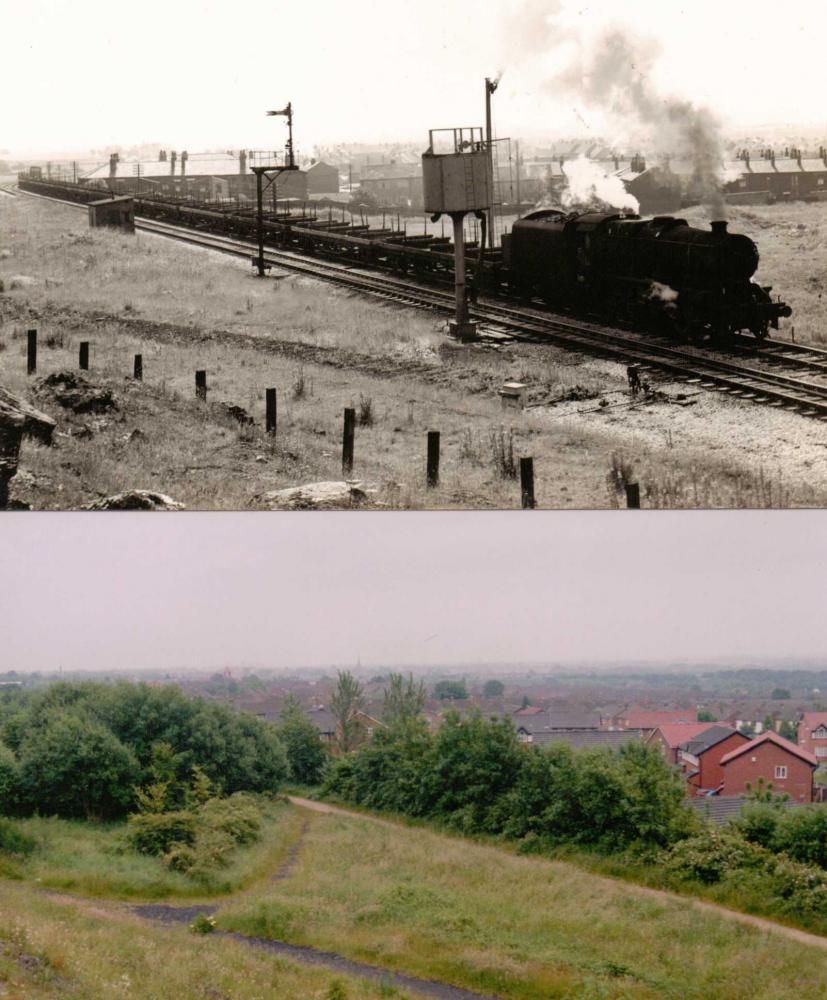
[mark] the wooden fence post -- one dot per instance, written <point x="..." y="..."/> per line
<point x="271" y="411"/>
<point x="527" y="483"/>
<point x="83" y="356"/>
<point x="347" y="440"/>
<point x="139" y="368"/>
<point x="633" y="496"/>
<point x="31" y="352"/>
<point x="201" y="384"/>
<point x="433" y="459"/>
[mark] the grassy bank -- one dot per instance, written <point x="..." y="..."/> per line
<point x="96" y="860"/>
<point x="51" y="949"/>
<point x="520" y="927"/>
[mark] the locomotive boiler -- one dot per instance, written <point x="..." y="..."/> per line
<point x="675" y="276"/>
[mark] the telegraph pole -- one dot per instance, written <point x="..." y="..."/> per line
<point x="490" y="87"/>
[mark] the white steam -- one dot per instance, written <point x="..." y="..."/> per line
<point x="589" y="188"/>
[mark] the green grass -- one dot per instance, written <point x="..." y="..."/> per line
<point x="52" y="950"/>
<point x="95" y="860"/>
<point x="518" y="927"/>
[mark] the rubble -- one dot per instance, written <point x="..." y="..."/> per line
<point x="74" y="392"/>
<point x="135" y="500"/>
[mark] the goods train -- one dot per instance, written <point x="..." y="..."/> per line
<point x="672" y="275"/>
<point x="660" y="273"/>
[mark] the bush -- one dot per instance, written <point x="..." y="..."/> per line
<point x="203" y="924"/>
<point x="156" y="833"/>
<point x="802" y="834"/>
<point x="237" y="817"/>
<point x="714" y="855"/>
<point x="180" y="858"/>
<point x="802" y="888"/>
<point x="14" y="841"/>
<point x="758" y="823"/>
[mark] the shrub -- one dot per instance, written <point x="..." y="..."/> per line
<point x="365" y="411"/>
<point x="14" y="841"/>
<point x="758" y="822"/>
<point x="180" y="858"/>
<point x="237" y="817"/>
<point x="156" y="833"/>
<point x="204" y="923"/>
<point x="802" y="834"/>
<point x="714" y="855"/>
<point x="802" y="888"/>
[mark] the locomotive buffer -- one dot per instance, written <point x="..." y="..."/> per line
<point x="270" y="174"/>
<point x="457" y="179"/>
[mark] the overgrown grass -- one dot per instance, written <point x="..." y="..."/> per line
<point x="96" y="860"/>
<point x="519" y="927"/>
<point x="324" y="350"/>
<point x="51" y="950"/>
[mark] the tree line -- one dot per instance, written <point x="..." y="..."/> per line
<point x="82" y="749"/>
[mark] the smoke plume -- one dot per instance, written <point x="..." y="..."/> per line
<point x="613" y="73"/>
<point x="590" y="189"/>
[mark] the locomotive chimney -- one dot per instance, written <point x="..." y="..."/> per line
<point x="718" y="227"/>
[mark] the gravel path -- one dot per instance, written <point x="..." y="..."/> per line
<point x="306" y="954"/>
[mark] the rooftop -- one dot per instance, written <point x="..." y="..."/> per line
<point x="779" y="741"/>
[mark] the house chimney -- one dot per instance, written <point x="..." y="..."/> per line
<point x="718" y="227"/>
<point x="173" y="156"/>
<point x="798" y="157"/>
<point x="242" y="162"/>
<point x="617" y="163"/>
<point x="184" y="157"/>
<point x="162" y="156"/>
<point x="113" y="164"/>
<point x="746" y="159"/>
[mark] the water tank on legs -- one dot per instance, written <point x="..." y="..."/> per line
<point x="456" y="171"/>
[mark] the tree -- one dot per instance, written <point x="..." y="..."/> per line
<point x="450" y="690"/>
<point x="789" y="730"/>
<point x="305" y="753"/>
<point x="346" y="702"/>
<point x="706" y="716"/>
<point x="74" y="766"/>
<point x="404" y="699"/>
<point x="779" y="694"/>
<point x="768" y="724"/>
<point x="493" y="689"/>
<point x="9" y="778"/>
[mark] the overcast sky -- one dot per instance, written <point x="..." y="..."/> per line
<point x="207" y="590"/>
<point x="198" y="73"/>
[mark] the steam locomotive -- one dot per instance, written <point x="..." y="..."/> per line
<point x="693" y="282"/>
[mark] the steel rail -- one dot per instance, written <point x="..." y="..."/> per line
<point x="747" y="382"/>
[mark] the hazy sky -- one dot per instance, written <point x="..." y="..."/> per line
<point x="205" y="590"/>
<point x="197" y="73"/>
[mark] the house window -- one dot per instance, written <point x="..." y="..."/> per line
<point x="780" y="771"/>
<point x="821" y="751"/>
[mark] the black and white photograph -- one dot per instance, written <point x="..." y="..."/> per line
<point x="452" y="255"/>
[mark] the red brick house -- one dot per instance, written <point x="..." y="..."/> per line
<point x="668" y="738"/>
<point x="780" y="763"/>
<point x="700" y="758"/>
<point x="812" y="734"/>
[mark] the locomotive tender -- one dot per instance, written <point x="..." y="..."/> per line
<point x="672" y="275"/>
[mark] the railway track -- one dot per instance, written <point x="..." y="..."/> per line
<point x="781" y="375"/>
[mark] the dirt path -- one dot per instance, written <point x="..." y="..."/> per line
<point x="761" y="923"/>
